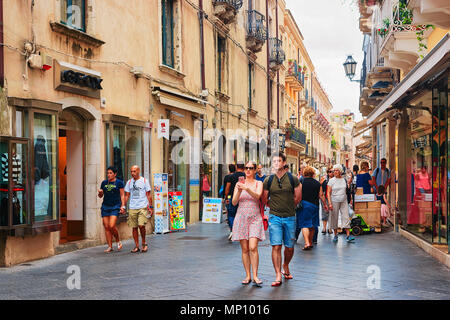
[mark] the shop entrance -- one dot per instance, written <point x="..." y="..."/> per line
<point x="71" y="176"/>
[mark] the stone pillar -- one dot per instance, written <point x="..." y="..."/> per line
<point x="403" y="154"/>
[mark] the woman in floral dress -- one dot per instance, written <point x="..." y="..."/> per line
<point x="248" y="225"/>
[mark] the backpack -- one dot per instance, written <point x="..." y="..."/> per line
<point x="377" y="171"/>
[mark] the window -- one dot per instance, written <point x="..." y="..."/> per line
<point x="73" y="14"/>
<point x="124" y="148"/>
<point x="250" y="85"/>
<point x="13" y="182"/>
<point x="221" y="64"/>
<point x="45" y="167"/>
<point x="168" y="50"/>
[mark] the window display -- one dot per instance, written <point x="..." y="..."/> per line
<point x="45" y="162"/>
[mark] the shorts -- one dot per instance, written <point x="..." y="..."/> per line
<point x="110" y="212"/>
<point x="137" y="217"/>
<point x="325" y="213"/>
<point x="282" y="231"/>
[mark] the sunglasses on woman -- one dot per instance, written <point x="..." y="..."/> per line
<point x="249" y="168"/>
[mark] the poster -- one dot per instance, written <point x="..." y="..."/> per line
<point x="176" y="210"/>
<point x="212" y="210"/>
<point x="161" y="202"/>
<point x="163" y="128"/>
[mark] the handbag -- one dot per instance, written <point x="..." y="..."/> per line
<point x="264" y="217"/>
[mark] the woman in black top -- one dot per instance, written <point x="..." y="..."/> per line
<point x="308" y="216"/>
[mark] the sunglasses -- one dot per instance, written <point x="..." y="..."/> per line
<point x="249" y="168"/>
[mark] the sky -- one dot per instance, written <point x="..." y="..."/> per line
<point x="331" y="32"/>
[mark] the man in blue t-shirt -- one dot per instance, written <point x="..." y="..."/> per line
<point x="259" y="174"/>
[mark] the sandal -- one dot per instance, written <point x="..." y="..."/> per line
<point x="110" y="249"/>
<point x="119" y="246"/>
<point x="305" y="248"/>
<point x="287" y="276"/>
<point x="257" y="284"/>
<point x="246" y="282"/>
<point x="144" y="247"/>
<point x="135" y="250"/>
<point x="276" y="283"/>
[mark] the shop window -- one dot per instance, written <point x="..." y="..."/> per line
<point x="134" y="148"/>
<point x="14" y="183"/>
<point x="123" y="148"/>
<point x="73" y="14"/>
<point x="45" y="167"/>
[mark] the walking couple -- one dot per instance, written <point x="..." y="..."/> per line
<point x="250" y="196"/>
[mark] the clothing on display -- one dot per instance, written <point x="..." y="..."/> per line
<point x="41" y="178"/>
<point x="118" y="162"/>
<point x="16" y="167"/>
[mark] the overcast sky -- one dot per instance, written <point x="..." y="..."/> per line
<point x="331" y="31"/>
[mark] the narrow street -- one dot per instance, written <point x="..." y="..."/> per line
<point x="202" y="264"/>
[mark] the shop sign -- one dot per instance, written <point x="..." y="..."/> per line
<point x="161" y="202"/>
<point x="163" y="128"/>
<point x="212" y="210"/>
<point x="75" y="79"/>
<point x="176" y="209"/>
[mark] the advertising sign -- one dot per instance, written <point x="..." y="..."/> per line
<point x="163" y="128"/>
<point x="212" y="210"/>
<point x="176" y="210"/>
<point x="161" y="202"/>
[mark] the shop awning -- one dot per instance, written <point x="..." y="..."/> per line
<point x="438" y="55"/>
<point x="179" y="100"/>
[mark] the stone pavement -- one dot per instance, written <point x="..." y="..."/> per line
<point x="202" y="264"/>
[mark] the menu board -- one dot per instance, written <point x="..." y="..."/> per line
<point x="176" y="210"/>
<point x="212" y="210"/>
<point x="161" y="202"/>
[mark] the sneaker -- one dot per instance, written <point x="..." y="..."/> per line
<point x="350" y="238"/>
<point x="335" y="239"/>
<point x="229" y="237"/>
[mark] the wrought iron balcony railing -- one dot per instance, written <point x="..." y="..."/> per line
<point x="295" y="134"/>
<point x="256" y="31"/>
<point x="226" y="10"/>
<point x="277" y="55"/>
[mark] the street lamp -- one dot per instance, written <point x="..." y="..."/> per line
<point x="292" y="120"/>
<point x="350" y="68"/>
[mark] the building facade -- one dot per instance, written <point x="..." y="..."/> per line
<point x="404" y="97"/>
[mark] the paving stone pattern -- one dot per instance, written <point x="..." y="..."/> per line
<point x="202" y="264"/>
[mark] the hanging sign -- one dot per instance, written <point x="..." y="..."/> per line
<point x="163" y="128"/>
<point x="161" y="202"/>
<point x="212" y="210"/>
<point x="176" y="210"/>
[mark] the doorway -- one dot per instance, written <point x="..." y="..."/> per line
<point x="71" y="176"/>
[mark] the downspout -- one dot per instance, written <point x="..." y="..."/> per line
<point x="2" y="66"/>
<point x="269" y="96"/>
<point x="278" y="72"/>
<point x="203" y="83"/>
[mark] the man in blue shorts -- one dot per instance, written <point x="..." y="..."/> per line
<point x="282" y="192"/>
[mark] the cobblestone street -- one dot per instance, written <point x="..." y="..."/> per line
<point x="202" y="264"/>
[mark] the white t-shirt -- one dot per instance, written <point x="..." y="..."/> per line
<point x="338" y="189"/>
<point x="138" y="189"/>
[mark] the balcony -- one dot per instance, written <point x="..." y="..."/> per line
<point x="226" y="10"/>
<point x="256" y="31"/>
<point x="277" y="55"/>
<point x="294" y="77"/>
<point x="296" y="135"/>
<point x="436" y="12"/>
<point x="398" y="34"/>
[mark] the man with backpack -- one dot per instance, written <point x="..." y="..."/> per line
<point x="229" y="190"/>
<point x="282" y="192"/>
<point x="381" y="176"/>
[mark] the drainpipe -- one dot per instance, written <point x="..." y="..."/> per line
<point x="202" y="74"/>
<point x="2" y="69"/>
<point x="278" y="72"/>
<point x="269" y="96"/>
